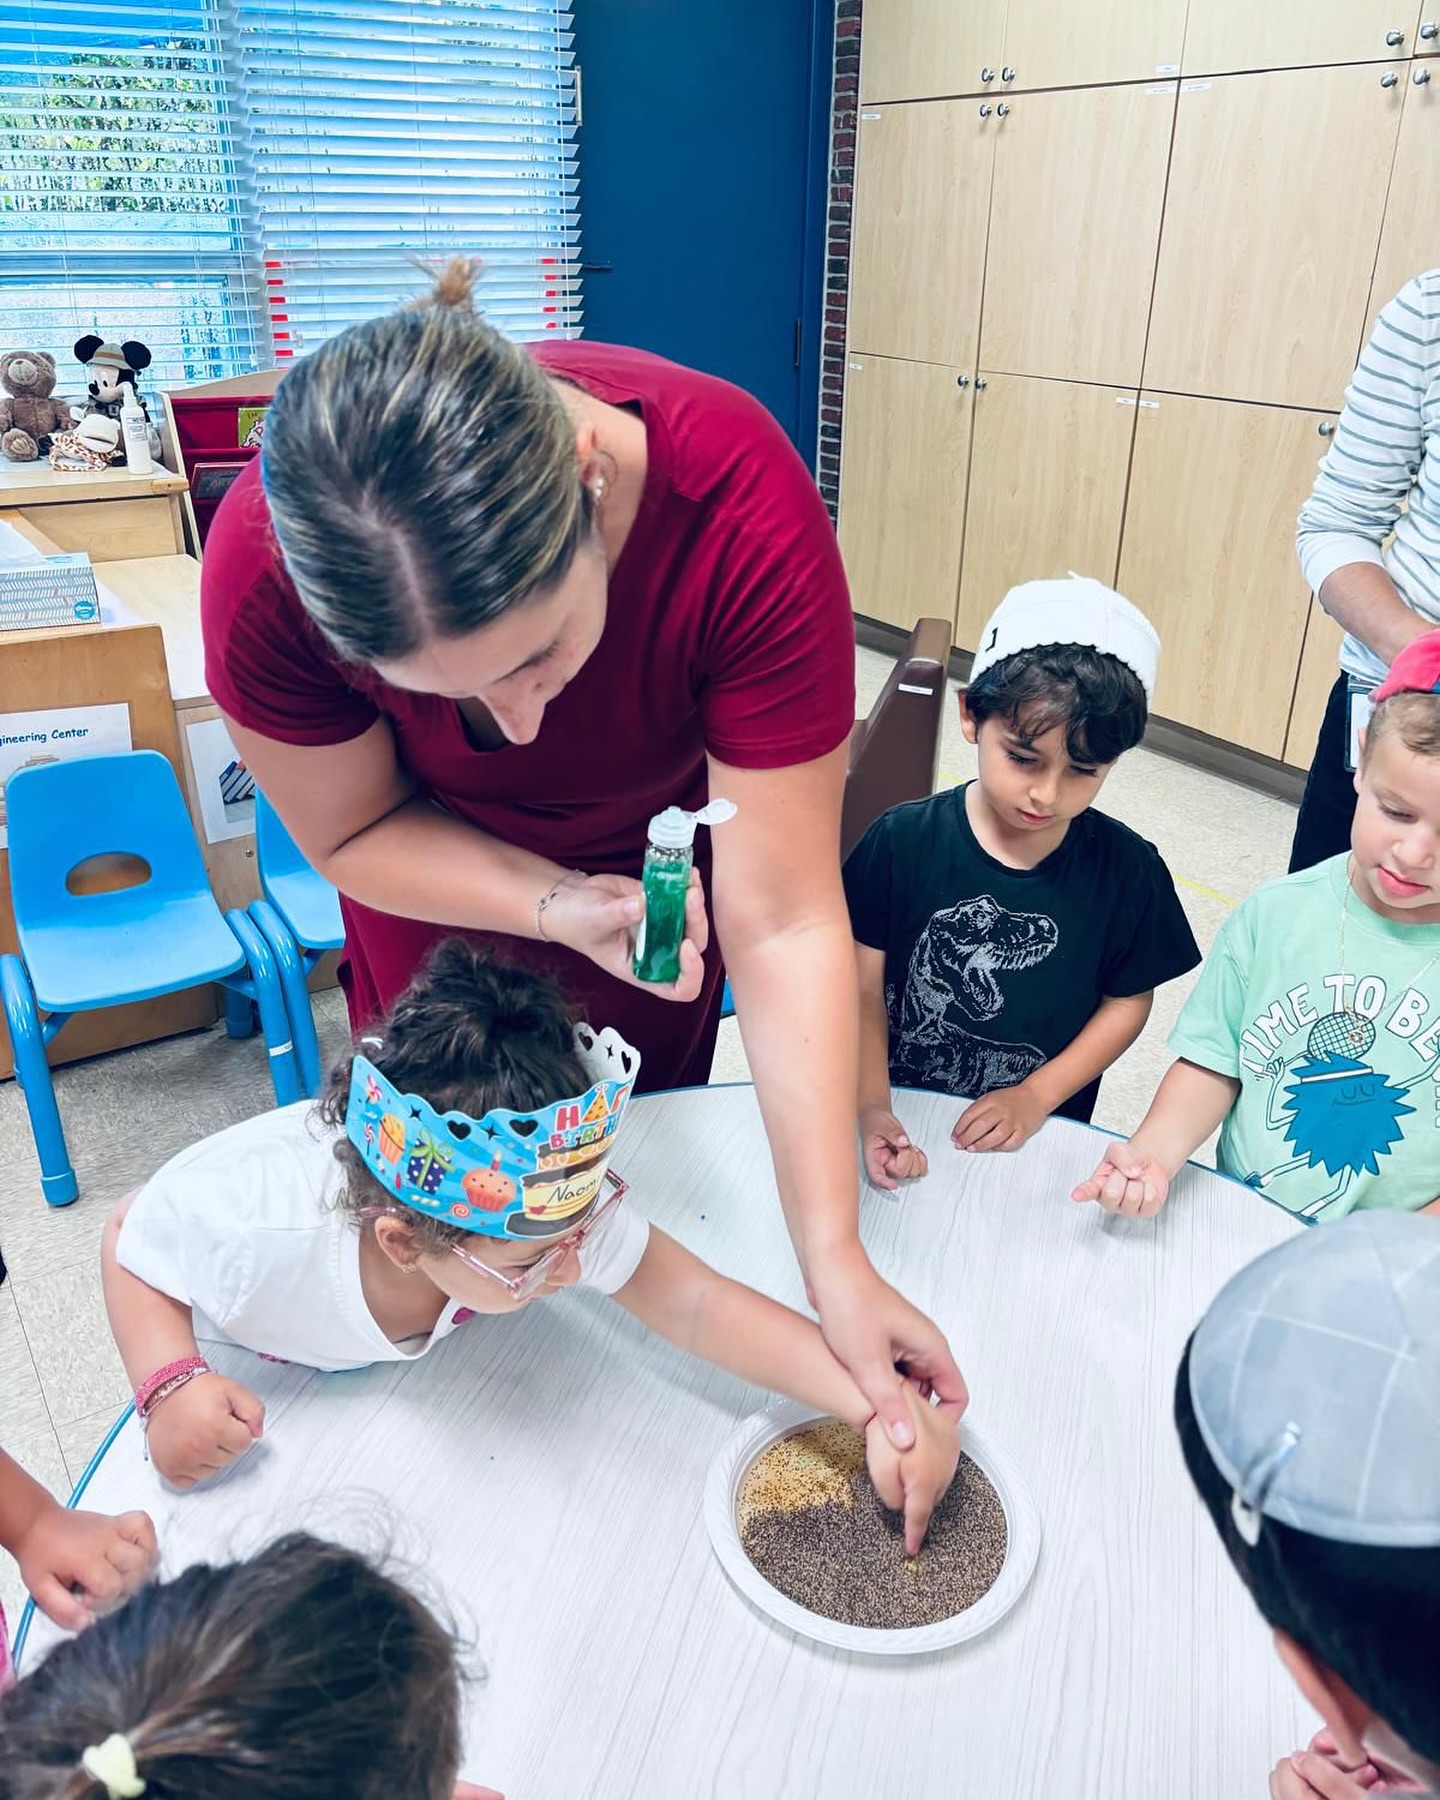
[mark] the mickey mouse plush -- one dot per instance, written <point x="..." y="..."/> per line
<point x="112" y="368"/>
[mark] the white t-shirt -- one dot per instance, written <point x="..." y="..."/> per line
<point x="243" y="1229"/>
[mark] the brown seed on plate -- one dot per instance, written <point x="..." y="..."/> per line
<point x="842" y="1555"/>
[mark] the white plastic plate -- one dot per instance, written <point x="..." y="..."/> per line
<point x="1022" y="1520"/>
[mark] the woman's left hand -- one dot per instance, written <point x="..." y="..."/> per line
<point x="882" y="1339"/>
<point x="599" y="916"/>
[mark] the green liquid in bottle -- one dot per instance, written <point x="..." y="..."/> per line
<point x="667" y="882"/>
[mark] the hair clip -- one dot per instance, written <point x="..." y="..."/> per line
<point x="1247" y="1503"/>
<point x="378" y="1043"/>
<point x="112" y="1764"/>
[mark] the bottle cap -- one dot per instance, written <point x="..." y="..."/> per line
<point x="130" y="402"/>
<point x="674" y="829"/>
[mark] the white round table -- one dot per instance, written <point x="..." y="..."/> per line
<point x="543" y="1476"/>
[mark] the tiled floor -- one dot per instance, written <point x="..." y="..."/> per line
<point x="61" y="1384"/>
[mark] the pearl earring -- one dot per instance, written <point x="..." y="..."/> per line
<point x="597" y="489"/>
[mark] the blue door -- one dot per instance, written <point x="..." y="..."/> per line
<point x="703" y="148"/>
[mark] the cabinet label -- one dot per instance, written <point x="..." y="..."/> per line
<point x="869" y="118"/>
<point x="1194" y="87"/>
<point x="1167" y="68"/>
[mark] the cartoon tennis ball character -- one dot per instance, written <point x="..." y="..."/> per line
<point x="488" y="1190"/>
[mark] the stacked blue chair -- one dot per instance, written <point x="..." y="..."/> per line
<point x="81" y="951"/>
<point x="299" y="918"/>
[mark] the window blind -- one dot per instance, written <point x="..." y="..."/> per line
<point x="120" y="208"/>
<point x="378" y="133"/>
<point x="232" y="181"/>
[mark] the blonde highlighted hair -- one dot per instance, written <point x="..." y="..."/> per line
<point x="421" y="476"/>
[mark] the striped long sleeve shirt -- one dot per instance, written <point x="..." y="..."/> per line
<point x="1381" y="474"/>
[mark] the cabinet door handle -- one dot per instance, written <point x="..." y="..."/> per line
<point x="1389" y="78"/>
<point x="981" y="384"/>
<point x="986" y="110"/>
<point x="1429" y="31"/>
<point x="1007" y="73"/>
<point x="1002" y="111"/>
<point x="1394" y="39"/>
<point x="1420" y="77"/>
<point x="987" y="74"/>
<point x="1325" y="428"/>
<point x="962" y="381"/>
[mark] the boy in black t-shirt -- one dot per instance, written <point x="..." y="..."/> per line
<point x="1009" y="939"/>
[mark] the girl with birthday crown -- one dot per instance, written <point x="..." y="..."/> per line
<point x="456" y="1164"/>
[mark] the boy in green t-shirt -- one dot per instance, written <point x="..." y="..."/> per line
<point x="1314" y="1030"/>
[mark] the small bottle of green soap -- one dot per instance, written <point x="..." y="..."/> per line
<point x="669" y="857"/>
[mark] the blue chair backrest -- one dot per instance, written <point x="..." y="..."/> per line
<point x="61" y="814"/>
<point x="278" y="852"/>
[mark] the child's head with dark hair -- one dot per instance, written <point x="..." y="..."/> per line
<point x="1092" y="698"/>
<point x="301" y="1673"/>
<point x="1297" y="1405"/>
<point x="1059" y="691"/>
<point x="470" y="1034"/>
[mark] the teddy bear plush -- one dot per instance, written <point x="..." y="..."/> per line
<point x="112" y="368"/>
<point x="29" y="412"/>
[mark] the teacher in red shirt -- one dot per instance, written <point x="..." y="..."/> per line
<point x="477" y="615"/>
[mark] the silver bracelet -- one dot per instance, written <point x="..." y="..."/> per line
<point x="546" y="899"/>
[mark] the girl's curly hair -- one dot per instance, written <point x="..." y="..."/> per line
<point x="469" y="1034"/>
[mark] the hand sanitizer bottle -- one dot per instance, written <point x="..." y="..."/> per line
<point x="669" y="857"/>
<point x="136" y="430"/>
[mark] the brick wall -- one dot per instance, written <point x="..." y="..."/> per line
<point x="843" y="122"/>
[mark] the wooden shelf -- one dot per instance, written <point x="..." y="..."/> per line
<point x="37" y="484"/>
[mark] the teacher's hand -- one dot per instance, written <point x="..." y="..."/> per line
<point x="883" y="1340"/>
<point x="599" y="915"/>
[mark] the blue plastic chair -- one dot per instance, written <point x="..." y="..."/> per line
<point x="299" y="919"/>
<point x="81" y="951"/>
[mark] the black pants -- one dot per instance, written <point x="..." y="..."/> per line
<point x="1327" y="808"/>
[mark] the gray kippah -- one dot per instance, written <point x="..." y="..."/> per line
<point x="1315" y="1379"/>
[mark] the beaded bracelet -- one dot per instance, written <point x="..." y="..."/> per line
<point x="166" y="1381"/>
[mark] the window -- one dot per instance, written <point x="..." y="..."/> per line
<point x="232" y="181"/>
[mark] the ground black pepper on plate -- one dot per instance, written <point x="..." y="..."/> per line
<point x="814" y="1527"/>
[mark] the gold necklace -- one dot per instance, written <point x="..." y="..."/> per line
<point x="1346" y="1032"/>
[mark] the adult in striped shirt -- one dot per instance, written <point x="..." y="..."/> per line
<point x="1379" y="480"/>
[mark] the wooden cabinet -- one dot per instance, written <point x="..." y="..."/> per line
<point x="903" y="472"/>
<point x="1427" y="32"/>
<point x="912" y="49"/>
<point x="922" y="200"/>
<point x="1074" y="221"/>
<point x="1224" y="36"/>
<point x="1048" y="465"/>
<point x="1072" y="43"/>
<point x="1277" y="188"/>
<point x="1209" y="554"/>
<point x="1319" y="667"/>
<point x="1410" y="236"/>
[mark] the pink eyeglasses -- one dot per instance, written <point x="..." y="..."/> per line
<point x="530" y="1280"/>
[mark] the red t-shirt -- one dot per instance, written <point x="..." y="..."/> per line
<point x="729" y="631"/>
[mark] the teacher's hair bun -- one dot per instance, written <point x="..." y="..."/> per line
<point x="453" y="284"/>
